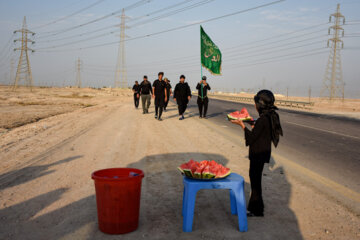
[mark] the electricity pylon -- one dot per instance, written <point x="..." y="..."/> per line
<point x="11" y="70"/>
<point x="333" y="85"/>
<point x="23" y="71"/>
<point x="121" y="72"/>
<point x="78" y="72"/>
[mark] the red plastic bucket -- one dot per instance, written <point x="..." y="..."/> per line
<point x="118" y="193"/>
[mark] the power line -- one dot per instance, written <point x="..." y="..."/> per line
<point x="137" y="24"/>
<point x="181" y="27"/>
<point x="132" y="6"/>
<point x="171" y="13"/>
<point x="160" y="10"/>
<point x="71" y="15"/>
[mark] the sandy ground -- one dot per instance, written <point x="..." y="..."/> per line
<point x="46" y="191"/>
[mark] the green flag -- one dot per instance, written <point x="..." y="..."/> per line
<point x="210" y="54"/>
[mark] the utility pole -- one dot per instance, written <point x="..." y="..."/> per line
<point x="121" y="72"/>
<point x="12" y="68"/>
<point x="333" y="84"/>
<point x="23" y="69"/>
<point x="78" y="72"/>
<point x="287" y="93"/>
<point x="309" y="93"/>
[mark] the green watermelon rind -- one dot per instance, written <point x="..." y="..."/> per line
<point x="242" y="119"/>
<point x="225" y="175"/>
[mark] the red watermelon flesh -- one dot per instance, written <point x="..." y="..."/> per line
<point x="204" y="169"/>
<point x="240" y="115"/>
<point x="184" y="168"/>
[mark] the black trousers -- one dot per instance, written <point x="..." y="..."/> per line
<point x="166" y="103"/>
<point x="203" y="104"/>
<point x="256" y="204"/>
<point x="159" y="105"/>
<point x="136" y="100"/>
<point x="182" y="108"/>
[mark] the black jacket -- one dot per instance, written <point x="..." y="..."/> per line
<point x="159" y="88"/>
<point x="182" y="92"/>
<point x="259" y="140"/>
<point x="145" y="88"/>
<point x="205" y="89"/>
<point x="136" y="88"/>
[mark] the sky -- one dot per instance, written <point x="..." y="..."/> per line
<point x="282" y="47"/>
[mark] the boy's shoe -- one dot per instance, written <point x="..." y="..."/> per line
<point x="156" y="116"/>
<point x="182" y="117"/>
<point x="160" y="119"/>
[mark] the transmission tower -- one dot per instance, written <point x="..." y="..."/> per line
<point x="333" y="85"/>
<point x="12" y="68"/>
<point x="23" y="71"/>
<point x="78" y="72"/>
<point x="121" y="72"/>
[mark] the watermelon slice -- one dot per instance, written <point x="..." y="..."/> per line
<point x="185" y="169"/>
<point x="222" y="172"/>
<point x="204" y="169"/>
<point x="240" y="115"/>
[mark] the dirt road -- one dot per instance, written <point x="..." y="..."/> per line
<point x="46" y="191"/>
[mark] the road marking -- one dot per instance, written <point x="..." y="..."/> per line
<point x="323" y="130"/>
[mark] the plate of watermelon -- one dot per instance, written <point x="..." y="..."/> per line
<point x="242" y="115"/>
<point x="204" y="170"/>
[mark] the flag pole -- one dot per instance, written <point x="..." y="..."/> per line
<point x="200" y="55"/>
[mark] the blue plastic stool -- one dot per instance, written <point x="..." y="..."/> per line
<point x="234" y="182"/>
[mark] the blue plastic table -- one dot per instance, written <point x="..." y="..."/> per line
<point x="234" y="182"/>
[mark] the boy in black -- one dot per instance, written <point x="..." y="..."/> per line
<point x="203" y="100"/>
<point x="267" y="129"/>
<point x="136" y="90"/>
<point x="168" y="92"/>
<point x="159" y="93"/>
<point x="145" y="91"/>
<point x="182" y="95"/>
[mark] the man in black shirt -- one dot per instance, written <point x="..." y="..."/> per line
<point x="159" y="93"/>
<point x="136" y="90"/>
<point x="168" y="92"/>
<point x="203" y="100"/>
<point x="145" y="90"/>
<point x="182" y="95"/>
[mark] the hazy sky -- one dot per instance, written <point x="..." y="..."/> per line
<point x="278" y="46"/>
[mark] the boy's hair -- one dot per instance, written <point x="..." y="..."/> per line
<point x="161" y="73"/>
<point x="145" y="76"/>
<point x="182" y="76"/>
<point x="136" y="82"/>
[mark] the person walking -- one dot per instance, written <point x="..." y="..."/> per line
<point x="182" y="96"/>
<point x="159" y="93"/>
<point x="168" y="92"/>
<point x="136" y="90"/>
<point x="267" y="129"/>
<point x="145" y="91"/>
<point x="203" y="100"/>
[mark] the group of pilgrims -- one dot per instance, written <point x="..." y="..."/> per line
<point x="161" y="91"/>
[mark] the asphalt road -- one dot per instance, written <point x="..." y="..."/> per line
<point x="325" y="144"/>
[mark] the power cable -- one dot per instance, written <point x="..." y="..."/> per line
<point x="132" y="6"/>
<point x="105" y="34"/>
<point x="171" y="13"/>
<point x="181" y="27"/>
<point x="70" y="15"/>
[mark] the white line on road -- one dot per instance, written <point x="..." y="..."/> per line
<point x="323" y="130"/>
